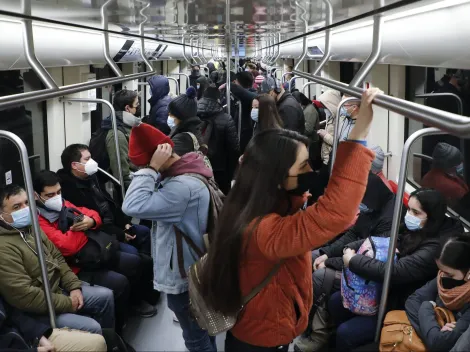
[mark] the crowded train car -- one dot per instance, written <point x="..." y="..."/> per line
<point x="231" y="175"/>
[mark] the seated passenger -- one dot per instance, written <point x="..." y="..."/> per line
<point x="450" y="290"/>
<point x="37" y="334"/>
<point x="263" y="232"/>
<point x="177" y="203"/>
<point x="56" y="217"/>
<point x="446" y="175"/>
<point x="264" y="114"/>
<point x="425" y="224"/>
<point x="223" y="143"/>
<point x="159" y="100"/>
<point x="378" y="164"/>
<point x="182" y="119"/>
<point x="21" y="281"/>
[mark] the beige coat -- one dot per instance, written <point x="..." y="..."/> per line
<point x="331" y="99"/>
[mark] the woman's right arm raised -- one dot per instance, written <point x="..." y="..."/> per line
<point x="283" y="237"/>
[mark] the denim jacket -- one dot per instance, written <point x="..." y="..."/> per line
<point x="182" y="201"/>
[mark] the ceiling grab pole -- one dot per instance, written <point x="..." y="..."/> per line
<point x="304" y="42"/>
<point x="327" y="53"/>
<point x="104" y="27"/>
<point x="142" y="39"/>
<point x="228" y="48"/>
<point x="28" y="181"/>
<point x="30" y="53"/>
<point x="397" y="209"/>
<point x="278" y="53"/>
<point x="183" y="41"/>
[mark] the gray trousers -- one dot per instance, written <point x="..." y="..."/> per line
<point x="463" y="344"/>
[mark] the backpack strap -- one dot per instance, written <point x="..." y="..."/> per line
<point x="327" y="286"/>
<point x="195" y="141"/>
<point x="263" y="284"/>
<point x="179" y="250"/>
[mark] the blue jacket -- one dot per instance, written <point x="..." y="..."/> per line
<point x="159" y="101"/>
<point x="182" y="201"/>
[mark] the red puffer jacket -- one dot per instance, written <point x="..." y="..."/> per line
<point x="71" y="242"/>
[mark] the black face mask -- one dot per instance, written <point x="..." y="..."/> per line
<point x="305" y="182"/>
<point x="138" y="111"/>
<point x="448" y="283"/>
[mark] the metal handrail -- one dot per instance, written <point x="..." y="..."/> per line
<point x="327" y="53"/>
<point x="239" y="119"/>
<point x="142" y="34"/>
<point x="306" y="85"/>
<point x="336" y="135"/>
<point x="396" y="221"/>
<point x="284" y="76"/>
<point x="177" y="84"/>
<point x="438" y="95"/>
<point x="228" y="48"/>
<point x="304" y="39"/>
<point x="446" y="121"/>
<point x="278" y="53"/>
<point x="34" y="219"/>
<point x="423" y="156"/>
<point x="183" y="42"/>
<point x="104" y="26"/>
<point x="114" y="179"/>
<point x="188" y="81"/>
<point x="115" y="130"/>
<point x="374" y="55"/>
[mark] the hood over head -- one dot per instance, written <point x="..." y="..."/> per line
<point x="160" y="86"/>
<point x="331" y="99"/>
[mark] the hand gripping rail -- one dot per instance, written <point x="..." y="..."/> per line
<point x="52" y="91"/>
<point x="115" y="130"/>
<point x="34" y="218"/>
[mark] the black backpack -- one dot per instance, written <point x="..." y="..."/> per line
<point x="98" y="149"/>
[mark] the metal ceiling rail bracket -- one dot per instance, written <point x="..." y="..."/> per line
<point x="104" y="26"/>
<point x="176" y="83"/>
<point x="327" y="53"/>
<point x="115" y="130"/>
<point x="142" y="34"/>
<point x="336" y="136"/>
<point x="188" y="81"/>
<point x="228" y="48"/>
<point x="396" y="220"/>
<point x="278" y="53"/>
<point x="28" y="181"/>
<point x="304" y="43"/>
<point x="445" y="121"/>
<point x="193" y="57"/>
<point x="438" y="95"/>
<point x="183" y="42"/>
<point x="374" y="55"/>
<point x="306" y="85"/>
<point x="30" y="53"/>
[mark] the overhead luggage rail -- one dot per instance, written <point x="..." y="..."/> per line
<point x="439" y="95"/>
<point x="34" y="219"/>
<point x="396" y="220"/>
<point x="115" y="130"/>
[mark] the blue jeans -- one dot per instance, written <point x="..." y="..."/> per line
<point x="195" y="339"/>
<point x="97" y="311"/>
<point x="353" y="330"/>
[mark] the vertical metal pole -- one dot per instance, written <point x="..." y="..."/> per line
<point x="237" y="54"/>
<point x="34" y="219"/>
<point x="104" y="26"/>
<point x="396" y="220"/>
<point x="336" y="135"/>
<point x="228" y="45"/>
<point x="142" y="40"/>
<point x="239" y="120"/>
<point x="28" y="45"/>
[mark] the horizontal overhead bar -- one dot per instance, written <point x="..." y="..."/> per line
<point x="452" y="123"/>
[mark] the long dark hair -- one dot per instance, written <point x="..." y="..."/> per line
<point x="454" y="253"/>
<point x="268" y="115"/>
<point x="435" y="207"/>
<point x="256" y="193"/>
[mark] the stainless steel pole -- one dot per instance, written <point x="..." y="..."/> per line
<point x="228" y="45"/>
<point x="438" y="95"/>
<point x="176" y="83"/>
<point x="185" y="75"/>
<point x="142" y="34"/>
<point x="34" y="218"/>
<point x="104" y="26"/>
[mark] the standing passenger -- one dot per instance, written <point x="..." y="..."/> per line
<point x="262" y="226"/>
<point x="159" y="89"/>
<point x="264" y="114"/>
<point x="177" y="203"/>
<point x="330" y="99"/>
<point x="195" y="74"/>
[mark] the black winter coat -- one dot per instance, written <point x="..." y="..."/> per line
<point x="246" y="97"/>
<point x="291" y="113"/>
<point x="411" y="271"/>
<point x="183" y="142"/>
<point x="423" y="319"/>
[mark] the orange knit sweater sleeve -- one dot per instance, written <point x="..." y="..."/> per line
<point x="288" y="236"/>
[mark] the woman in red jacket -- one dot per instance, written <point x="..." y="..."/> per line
<point x="261" y="226"/>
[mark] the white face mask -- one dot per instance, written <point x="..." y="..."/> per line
<point x="54" y="203"/>
<point x="171" y="122"/>
<point x="91" y="167"/>
<point x="131" y="120"/>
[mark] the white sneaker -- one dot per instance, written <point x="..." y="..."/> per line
<point x="175" y="319"/>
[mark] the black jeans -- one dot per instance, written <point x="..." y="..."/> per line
<point x="232" y="344"/>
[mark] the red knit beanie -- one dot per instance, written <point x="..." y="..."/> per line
<point x="143" y="142"/>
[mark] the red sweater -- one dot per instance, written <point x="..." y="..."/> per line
<point x="71" y="242"/>
<point x="270" y="319"/>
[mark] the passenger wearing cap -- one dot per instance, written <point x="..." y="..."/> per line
<point x="378" y="164"/>
<point x="446" y="174"/>
<point x="184" y="123"/>
<point x="163" y="193"/>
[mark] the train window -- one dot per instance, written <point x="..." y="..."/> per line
<point x="442" y="162"/>
<point x="28" y="122"/>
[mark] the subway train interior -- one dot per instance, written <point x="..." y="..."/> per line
<point x="62" y="61"/>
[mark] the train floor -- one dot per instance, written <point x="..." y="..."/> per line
<point x="160" y="333"/>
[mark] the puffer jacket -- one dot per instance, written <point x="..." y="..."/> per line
<point x="21" y="281"/>
<point x="224" y="146"/>
<point x="411" y="271"/>
<point x="279" y="313"/>
<point x="291" y="113"/>
<point x="182" y="140"/>
<point x="330" y="99"/>
<point x="158" y="116"/>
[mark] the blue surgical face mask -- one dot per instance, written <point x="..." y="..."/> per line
<point x="460" y="170"/>
<point x="198" y="85"/>
<point x="171" y="122"/>
<point x="412" y="222"/>
<point x="21" y="218"/>
<point x="254" y="114"/>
